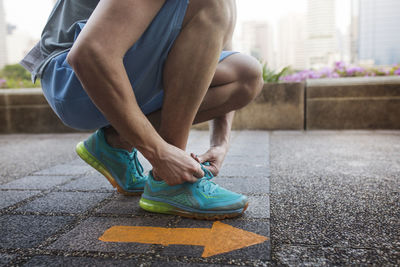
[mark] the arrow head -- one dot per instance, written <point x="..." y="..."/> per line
<point x="224" y="238"/>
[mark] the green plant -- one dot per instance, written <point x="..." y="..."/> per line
<point x="15" y="71"/>
<point x="12" y="84"/>
<point x="15" y="76"/>
<point x="270" y="75"/>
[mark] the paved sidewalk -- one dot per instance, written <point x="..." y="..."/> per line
<point x="334" y="201"/>
<point x="57" y="215"/>
<point x="335" y="198"/>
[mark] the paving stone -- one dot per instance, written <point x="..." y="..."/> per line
<point x="252" y="137"/>
<point x="293" y="255"/>
<point x="244" y="185"/>
<point x="240" y="159"/>
<point x="335" y="197"/>
<point x="91" y="182"/>
<point x="85" y="236"/>
<point x="356" y="219"/>
<point x="5" y="258"/>
<point x="244" y="170"/>
<point x="66" y="169"/>
<point x="36" y="182"/>
<point x="245" y="148"/>
<point x="258" y="208"/>
<point x="184" y="264"/>
<point x="23" y="154"/>
<point x="123" y="205"/>
<point x="256" y="150"/>
<point x="78" y="162"/>
<point x="195" y="136"/>
<point x="332" y="197"/>
<point x="256" y="252"/>
<point x="68" y="202"/>
<point x="18" y="231"/>
<point x="9" y="198"/>
<point x="77" y="261"/>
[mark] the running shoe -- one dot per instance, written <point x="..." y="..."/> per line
<point x="200" y="200"/>
<point x="121" y="167"/>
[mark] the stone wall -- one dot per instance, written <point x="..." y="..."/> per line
<point x="280" y="106"/>
<point x="26" y="111"/>
<point x="346" y="103"/>
<point x="353" y="103"/>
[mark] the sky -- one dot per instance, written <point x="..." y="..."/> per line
<point x="30" y="15"/>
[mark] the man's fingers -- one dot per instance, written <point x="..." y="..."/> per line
<point x="195" y="157"/>
<point x="199" y="173"/>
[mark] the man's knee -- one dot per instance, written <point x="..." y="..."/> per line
<point x="215" y="14"/>
<point x="251" y="78"/>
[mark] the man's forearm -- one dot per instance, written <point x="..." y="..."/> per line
<point x="97" y="60"/>
<point x="107" y="84"/>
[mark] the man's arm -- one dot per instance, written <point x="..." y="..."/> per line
<point x="220" y="132"/>
<point x="97" y="59"/>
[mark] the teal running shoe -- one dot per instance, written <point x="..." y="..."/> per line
<point x="121" y="167"/>
<point x="201" y="200"/>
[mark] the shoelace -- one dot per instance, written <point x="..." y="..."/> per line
<point x="207" y="186"/>
<point x="139" y="168"/>
<point x="205" y="183"/>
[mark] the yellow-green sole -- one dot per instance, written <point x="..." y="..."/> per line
<point x="85" y="155"/>
<point x="165" y="208"/>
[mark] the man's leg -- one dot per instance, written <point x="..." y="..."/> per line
<point x="188" y="73"/>
<point x="237" y="81"/>
<point x="191" y="65"/>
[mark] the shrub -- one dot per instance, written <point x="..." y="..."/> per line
<point x="16" y="76"/>
<point x="270" y="76"/>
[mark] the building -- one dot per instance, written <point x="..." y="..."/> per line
<point x="19" y="43"/>
<point x="354" y="31"/>
<point x="3" y="34"/>
<point x="291" y="42"/>
<point x="379" y="37"/>
<point x="257" y="39"/>
<point x="321" y="39"/>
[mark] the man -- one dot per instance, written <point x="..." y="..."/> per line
<point x="142" y="72"/>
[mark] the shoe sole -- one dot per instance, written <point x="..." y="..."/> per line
<point x="165" y="208"/>
<point x="84" y="154"/>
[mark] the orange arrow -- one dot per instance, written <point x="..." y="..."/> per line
<point x="219" y="239"/>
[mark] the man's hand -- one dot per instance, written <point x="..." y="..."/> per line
<point x="175" y="166"/>
<point x="215" y="156"/>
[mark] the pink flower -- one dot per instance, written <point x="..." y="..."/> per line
<point x="352" y="71"/>
<point x="397" y="72"/>
<point x="340" y="65"/>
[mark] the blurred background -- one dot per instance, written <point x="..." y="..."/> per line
<point x="299" y="34"/>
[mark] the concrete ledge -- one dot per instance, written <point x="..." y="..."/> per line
<point x="279" y="106"/>
<point x="353" y="103"/>
<point x="346" y="103"/>
<point x="27" y="111"/>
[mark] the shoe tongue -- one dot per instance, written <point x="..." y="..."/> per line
<point x="208" y="186"/>
<point x="133" y="156"/>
